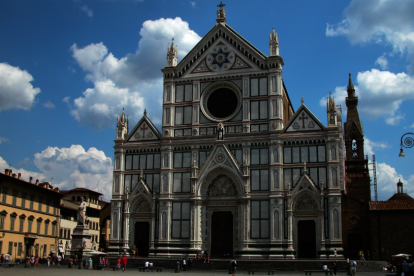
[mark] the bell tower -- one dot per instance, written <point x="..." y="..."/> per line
<point x="356" y="163"/>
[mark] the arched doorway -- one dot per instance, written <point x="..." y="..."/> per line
<point x="306" y="239"/>
<point x="222" y="234"/>
<point x="142" y="238"/>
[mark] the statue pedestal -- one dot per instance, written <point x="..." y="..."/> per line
<point x="81" y="244"/>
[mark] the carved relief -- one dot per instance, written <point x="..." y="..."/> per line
<point x="306" y="202"/>
<point x="142" y="206"/>
<point x="222" y="186"/>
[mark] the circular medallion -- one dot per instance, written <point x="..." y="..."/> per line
<point x="220" y="158"/>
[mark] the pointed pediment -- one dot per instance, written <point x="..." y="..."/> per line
<point x="303" y="120"/>
<point x="305" y="183"/>
<point x="352" y="127"/>
<point x="221" y="57"/>
<point x="220" y="156"/>
<point x="221" y="50"/>
<point x="141" y="188"/>
<point x="144" y="130"/>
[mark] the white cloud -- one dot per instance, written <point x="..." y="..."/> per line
<point x="134" y="81"/>
<point x="371" y="146"/>
<point x="193" y="4"/>
<point x="2" y="140"/>
<point x="379" y="21"/>
<point x="90" y="169"/>
<point x="380" y="94"/>
<point x="382" y="62"/>
<point x="387" y="178"/>
<point x="87" y="10"/>
<point x="49" y="105"/>
<point x="16" y="91"/>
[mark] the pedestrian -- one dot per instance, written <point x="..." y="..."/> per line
<point x="2" y="258"/>
<point x="133" y="253"/>
<point x="7" y="258"/>
<point x="59" y="260"/>
<point x="146" y="265"/>
<point x="207" y="257"/>
<point x="184" y="264"/>
<point x="353" y="267"/>
<point x="325" y="268"/>
<point x="335" y="253"/>
<point x="368" y="255"/>
<point x="124" y="263"/>
<point x="334" y="268"/>
<point x="189" y="264"/>
<point x="233" y="265"/>
<point x="37" y="261"/>
<point x="32" y="260"/>
<point x="118" y="263"/>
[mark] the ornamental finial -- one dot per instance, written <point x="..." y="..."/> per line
<point x="302" y="101"/>
<point x="221" y="13"/>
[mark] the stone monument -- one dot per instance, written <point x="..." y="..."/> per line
<point x="81" y="238"/>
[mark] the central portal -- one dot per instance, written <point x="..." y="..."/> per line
<point x="142" y="238"/>
<point x="222" y="234"/>
<point x="306" y="239"/>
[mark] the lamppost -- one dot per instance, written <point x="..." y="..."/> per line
<point x="407" y="142"/>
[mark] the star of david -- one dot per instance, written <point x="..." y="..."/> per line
<point x="220" y="58"/>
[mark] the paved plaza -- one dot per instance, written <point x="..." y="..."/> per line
<point x="64" y="271"/>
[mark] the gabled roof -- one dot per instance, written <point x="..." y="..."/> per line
<point x="391" y="205"/>
<point x="147" y="133"/>
<point x="303" y="120"/>
<point x="225" y="32"/>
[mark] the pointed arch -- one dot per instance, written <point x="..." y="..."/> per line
<point x="276" y="225"/>
<point x="164" y="226"/>
<point x="276" y="181"/>
<point x="336" y="224"/>
<point x="333" y="153"/>
<point x="114" y="221"/>
<point x="165" y="183"/>
<point x="334" y="177"/>
<point x="275" y="155"/>
<point x="116" y="188"/>
<point x="165" y="160"/>
<point x="118" y="162"/>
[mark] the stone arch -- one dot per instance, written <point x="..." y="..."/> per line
<point x="141" y="204"/>
<point x="334" y="178"/>
<point x="213" y="174"/>
<point x="336" y="225"/>
<point x="304" y="198"/>
<point x="222" y="185"/>
<point x="333" y="153"/>
<point x="275" y="155"/>
<point x="276" y="182"/>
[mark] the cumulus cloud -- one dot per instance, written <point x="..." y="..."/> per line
<point x="371" y="146"/>
<point x="382" y="62"/>
<point x="387" y="178"/>
<point x="133" y="81"/>
<point x="388" y="22"/>
<point x="16" y="91"/>
<point x="49" y="105"/>
<point x="380" y="94"/>
<point x="90" y="169"/>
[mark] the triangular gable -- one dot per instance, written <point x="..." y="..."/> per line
<point x="221" y="33"/>
<point x="220" y="155"/>
<point x="349" y="128"/>
<point x="143" y="131"/>
<point x="141" y="189"/>
<point x="221" y="57"/>
<point x="305" y="183"/>
<point x="303" y="120"/>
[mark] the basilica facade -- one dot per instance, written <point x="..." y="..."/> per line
<point x="235" y="170"/>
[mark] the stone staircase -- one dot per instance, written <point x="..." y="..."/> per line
<point x="280" y="265"/>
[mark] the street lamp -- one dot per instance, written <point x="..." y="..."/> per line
<point x="407" y="142"/>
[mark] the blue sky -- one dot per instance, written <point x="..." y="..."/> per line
<point x="67" y="67"/>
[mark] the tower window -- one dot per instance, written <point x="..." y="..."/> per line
<point x="354" y="149"/>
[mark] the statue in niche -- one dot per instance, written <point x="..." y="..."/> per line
<point x="306" y="202"/>
<point x="220" y="131"/>
<point x="142" y="206"/>
<point x="223" y="186"/>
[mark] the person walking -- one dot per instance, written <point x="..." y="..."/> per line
<point x="59" y="260"/>
<point x="37" y="262"/>
<point x="334" y="268"/>
<point x="353" y="267"/>
<point x="335" y="253"/>
<point x="118" y="263"/>
<point x="233" y="265"/>
<point x="124" y="263"/>
<point x="189" y="264"/>
<point x="184" y="264"/>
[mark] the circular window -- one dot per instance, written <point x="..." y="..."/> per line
<point x="221" y="101"/>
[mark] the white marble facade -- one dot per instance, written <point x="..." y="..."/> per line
<point x="234" y="169"/>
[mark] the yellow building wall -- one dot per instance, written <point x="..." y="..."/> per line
<point x="24" y="220"/>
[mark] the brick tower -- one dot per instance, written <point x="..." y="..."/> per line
<point x="356" y="163"/>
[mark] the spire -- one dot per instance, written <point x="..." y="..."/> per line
<point x="302" y="101"/>
<point x="273" y="43"/>
<point x="331" y="110"/>
<point x="122" y="126"/>
<point x="351" y="89"/>
<point x="172" y="54"/>
<point x="221" y="14"/>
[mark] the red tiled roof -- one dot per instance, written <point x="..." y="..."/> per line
<point x="79" y="190"/>
<point x="391" y="205"/>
